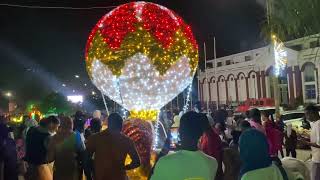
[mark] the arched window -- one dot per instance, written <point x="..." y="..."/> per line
<point x="309" y="73"/>
<point x="309" y="81"/>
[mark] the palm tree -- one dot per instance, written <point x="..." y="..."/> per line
<point x="292" y="18"/>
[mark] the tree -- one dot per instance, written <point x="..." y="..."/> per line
<point x="55" y="103"/>
<point x="291" y="19"/>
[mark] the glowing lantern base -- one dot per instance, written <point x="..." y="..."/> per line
<point x="140" y="131"/>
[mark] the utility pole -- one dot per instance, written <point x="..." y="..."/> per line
<point x="215" y="70"/>
<point x="205" y="70"/>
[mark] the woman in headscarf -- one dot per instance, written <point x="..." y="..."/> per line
<point x="64" y="149"/>
<point x="255" y="159"/>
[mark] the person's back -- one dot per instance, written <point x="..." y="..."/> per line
<point x="110" y="148"/>
<point x="110" y="151"/>
<point x="36" y="150"/>
<point x="66" y="164"/>
<point x="64" y="149"/>
<point x="8" y="155"/>
<point x="269" y="173"/>
<point x="186" y="165"/>
<point x="274" y="137"/>
<point x="231" y="162"/>
<point x="256" y="163"/>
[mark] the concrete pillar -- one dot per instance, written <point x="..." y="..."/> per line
<point x="263" y="80"/>
<point x="258" y="84"/>
<point x="290" y="86"/>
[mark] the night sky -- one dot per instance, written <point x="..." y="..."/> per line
<point x="42" y="48"/>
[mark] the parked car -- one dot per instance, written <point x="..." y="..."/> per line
<point x="293" y="117"/>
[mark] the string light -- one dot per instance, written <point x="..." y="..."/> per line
<point x="142" y="87"/>
<point x="147" y="49"/>
<point x="186" y="106"/>
<point x="141" y="55"/>
<point x="280" y="55"/>
<point x="156" y="133"/>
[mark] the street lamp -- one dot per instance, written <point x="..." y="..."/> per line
<point x="76" y="76"/>
<point x="8" y="94"/>
<point x="64" y="85"/>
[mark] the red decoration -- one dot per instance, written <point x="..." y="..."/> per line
<point x="140" y="132"/>
<point x="117" y="25"/>
<point x="161" y="22"/>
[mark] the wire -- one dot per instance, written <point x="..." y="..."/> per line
<point x="55" y="7"/>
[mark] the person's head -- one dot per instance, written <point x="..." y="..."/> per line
<point x="66" y="124"/>
<point x="115" y="122"/>
<point x="255" y="115"/>
<point x="264" y="116"/>
<point x="221" y="117"/>
<point x="205" y="122"/>
<point x="79" y="115"/>
<point x="20" y="131"/>
<point x="37" y="117"/>
<point x="247" y="114"/>
<point x="254" y="151"/>
<point x="51" y="123"/>
<point x="235" y="136"/>
<point x="312" y="113"/>
<point x="297" y="167"/>
<point x="191" y="129"/>
<point x="25" y="118"/>
<point x="79" y="124"/>
<point x="219" y="128"/>
<point x="97" y="114"/>
<point x="4" y="132"/>
<point x="95" y="125"/>
<point x="197" y="107"/>
<point x="3" y="120"/>
<point x="244" y="125"/>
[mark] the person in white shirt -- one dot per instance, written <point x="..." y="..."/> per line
<point x="312" y="115"/>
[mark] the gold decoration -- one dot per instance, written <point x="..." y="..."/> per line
<point x="148" y="115"/>
<point x="143" y="42"/>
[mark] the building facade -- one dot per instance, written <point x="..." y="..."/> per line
<point x="246" y="75"/>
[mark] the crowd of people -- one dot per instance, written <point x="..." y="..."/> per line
<point x="210" y="147"/>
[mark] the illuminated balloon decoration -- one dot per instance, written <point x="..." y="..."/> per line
<point x="141" y="55"/>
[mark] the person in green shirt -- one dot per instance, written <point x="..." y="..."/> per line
<point x="188" y="163"/>
<point x="256" y="162"/>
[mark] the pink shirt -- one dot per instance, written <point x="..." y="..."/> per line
<point x="257" y="126"/>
